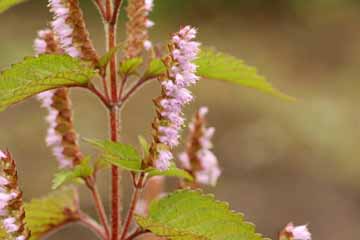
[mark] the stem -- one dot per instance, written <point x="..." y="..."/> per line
<point x="101" y="8"/>
<point x="134" y="200"/>
<point x="98" y="205"/>
<point x="115" y="191"/>
<point x="115" y="14"/>
<point x="103" y="98"/>
<point x="133" y="89"/>
<point x="105" y="86"/>
<point x="108" y="10"/>
<point x="122" y="86"/>
<point x="113" y="61"/>
<point x="114" y="126"/>
<point x="92" y="225"/>
<point x="137" y="233"/>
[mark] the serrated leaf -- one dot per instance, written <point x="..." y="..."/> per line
<point x="189" y="214"/>
<point x="37" y="74"/>
<point x="6" y="4"/>
<point x="50" y="212"/>
<point x="220" y="66"/>
<point x="155" y="68"/>
<point x="129" y="66"/>
<point x="122" y="155"/>
<point x="71" y="175"/>
<point x="173" y="171"/>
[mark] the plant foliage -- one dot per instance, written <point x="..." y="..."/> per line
<point x="37" y="74"/>
<point x="51" y="212"/>
<point x="189" y="214"/>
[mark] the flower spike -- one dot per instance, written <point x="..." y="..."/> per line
<point x="69" y="26"/>
<point x="198" y="159"/>
<point x="175" y="95"/>
<point x="61" y="135"/>
<point x="137" y="27"/>
<point x="12" y="214"/>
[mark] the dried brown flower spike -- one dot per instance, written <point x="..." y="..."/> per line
<point x="12" y="212"/>
<point x="137" y="27"/>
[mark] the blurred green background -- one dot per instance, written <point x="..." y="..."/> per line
<point x="281" y="161"/>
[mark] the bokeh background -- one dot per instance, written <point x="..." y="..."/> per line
<point x="281" y="161"/>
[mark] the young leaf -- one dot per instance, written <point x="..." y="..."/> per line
<point x="156" y="68"/>
<point x="79" y="171"/>
<point x="51" y="212"/>
<point x="122" y="155"/>
<point x="173" y="171"/>
<point x="189" y="214"/>
<point x="37" y="74"/>
<point x="129" y="66"/>
<point x="144" y="145"/>
<point x="6" y="4"/>
<point x="221" y="66"/>
<point x="105" y="59"/>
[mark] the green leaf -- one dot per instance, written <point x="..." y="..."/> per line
<point x="220" y="66"/>
<point x="189" y="214"/>
<point x="51" y="212"/>
<point x="121" y="155"/>
<point x="155" y="69"/>
<point x="105" y="59"/>
<point x="129" y="66"/>
<point x="71" y="175"/>
<point x="144" y="145"/>
<point x="173" y="171"/>
<point x="37" y="74"/>
<point x="6" y="4"/>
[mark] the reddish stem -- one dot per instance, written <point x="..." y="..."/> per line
<point x="137" y="233"/>
<point x="103" y="98"/>
<point x="115" y="191"/>
<point x="133" y="89"/>
<point x="117" y="6"/>
<point x="108" y="10"/>
<point x="98" y="205"/>
<point x="134" y="200"/>
<point x="115" y="199"/>
<point x="101" y="8"/>
<point x="92" y="225"/>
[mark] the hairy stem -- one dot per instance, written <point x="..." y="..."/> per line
<point x="134" y="200"/>
<point x="114" y="124"/>
<point x="92" y="225"/>
<point x="98" y="205"/>
<point x="115" y="182"/>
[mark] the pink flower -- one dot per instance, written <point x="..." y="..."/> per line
<point x="2" y="155"/>
<point x="163" y="161"/>
<point x="298" y="232"/>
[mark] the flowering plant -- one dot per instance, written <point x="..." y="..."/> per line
<point x="65" y="58"/>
